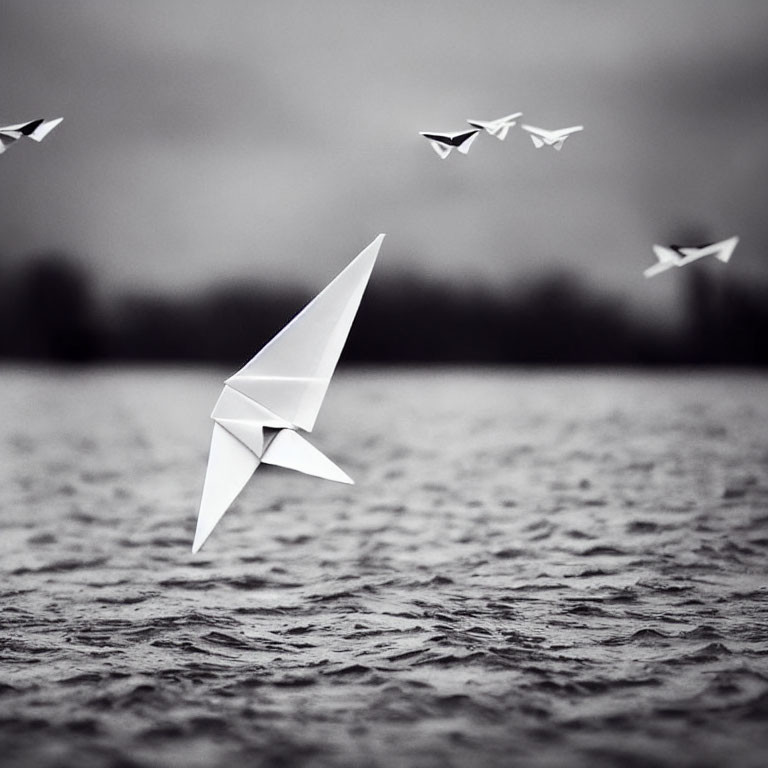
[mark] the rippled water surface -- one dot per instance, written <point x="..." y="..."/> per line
<point x="533" y="568"/>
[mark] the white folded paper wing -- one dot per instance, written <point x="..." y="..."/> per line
<point x="279" y="391"/>
<point x="291" y="374"/>
<point x="290" y="450"/>
<point x="36" y="130"/>
<point x="722" y="251"/>
<point x="44" y="129"/>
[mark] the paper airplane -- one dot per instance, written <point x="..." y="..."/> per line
<point x="443" y="143"/>
<point x="555" y="139"/>
<point x="498" y="128"/>
<point x="36" y="130"/>
<point x="262" y="407"/>
<point x="679" y="256"/>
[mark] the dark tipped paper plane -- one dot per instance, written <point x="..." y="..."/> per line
<point x="444" y="143"/>
<point x="36" y="130"/>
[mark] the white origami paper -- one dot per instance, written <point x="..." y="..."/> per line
<point x="36" y="130"/>
<point x="443" y="143"/>
<point x="262" y="407"/>
<point x="679" y="256"/>
<point x="499" y="127"/>
<point x="541" y="137"/>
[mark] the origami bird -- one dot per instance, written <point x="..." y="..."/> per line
<point x="679" y="256"/>
<point x="259" y="413"/>
<point x="555" y="139"/>
<point x="443" y="143"/>
<point x="36" y="130"/>
<point x="499" y="127"/>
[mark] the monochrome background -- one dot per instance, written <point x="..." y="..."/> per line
<point x="211" y="148"/>
<point x="555" y="552"/>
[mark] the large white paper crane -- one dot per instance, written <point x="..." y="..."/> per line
<point x="443" y="143"/>
<point x="262" y="407"/>
<point x="541" y="137"/>
<point x="499" y="127"/>
<point x="679" y="256"/>
<point x="36" y="130"/>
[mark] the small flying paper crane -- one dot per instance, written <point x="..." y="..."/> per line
<point x="443" y="143"/>
<point x="499" y="127"/>
<point x="262" y="407"/>
<point x="36" y="130"/>
<point x="679" y="256"/>
<point x="555" y="139"/>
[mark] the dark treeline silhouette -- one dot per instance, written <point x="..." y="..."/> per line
<point x="49" y="311"/>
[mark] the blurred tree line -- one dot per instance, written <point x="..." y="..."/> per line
<point x="50" y="312"/>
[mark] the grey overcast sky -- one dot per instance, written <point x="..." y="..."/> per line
<point x="209" y="141"/>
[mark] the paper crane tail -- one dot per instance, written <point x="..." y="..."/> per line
<point x="230" y="466"/>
